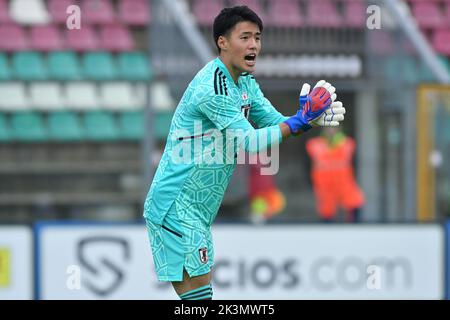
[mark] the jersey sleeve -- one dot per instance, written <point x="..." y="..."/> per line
<point x="263" y="113"/>
<point x="255" y="140"/>
<point x="221" y="110"/>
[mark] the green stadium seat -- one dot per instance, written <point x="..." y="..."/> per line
<point x="131" y="125"/>
<point x="100" y="126"/>
<point x="29" y="66"/>
<point x="28" y="126"/>
<point x="63" y="65"/>
<point x="5" y="73"/>
<point x="410" y="72"/>
<point x="99" y="66"/>
<point x="5" y="132"/>
<point x="391" y="68"/>
<point x="134" y="66"/>
<point x="425" y="73"/>
<point x="162" y="125"/>
<point x="445" y="61"/>
<point x="65" y="126"/>
<point x="401" y="69"/>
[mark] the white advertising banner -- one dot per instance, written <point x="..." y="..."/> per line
<point x="95" y="261"/>
<point x="329" y="262"/>
<point x="16" y="281"/>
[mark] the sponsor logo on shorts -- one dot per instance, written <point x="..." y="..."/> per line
<point x="203" y="255"/>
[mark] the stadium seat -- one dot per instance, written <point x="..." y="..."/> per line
<point x="381" y="42"/>
<point x="5" y="73"/>
<point x="82" y="96"/>
<point x="446" y="62"/>
<point x="441" y="41"/>
<point x="392" y="68"/>
<point x="13" y="96"/>
<point x="206" y="10"/>
<point x="99" y="66"/>
<point x="323" y="13"/>
<point x="12" y="38"/>
<point x="119" y="96"/>
<point x="160" y="96"/>
<point x="4" y="12"/>
<point x="255" y="5"/>
<point x="447" y="13"/>
<point x="134" y="66"/>
<point x="116" y="38"/>
<point x="426" y="73"/>
<point x="100" y="126"/>
<point x="162" y="124"/>
<point x="29" y="66"/>
<point x="131" y="125"/>
<point x="63" y="65"/>
<point x="355" y="13"/>
<point x="97" y="11"/>
<point x="411" y="73"/>
<point x="58" y="9"/>
<point x="65" y="126"/>
<point x="45" y="38"/>
<point x="28" y="126"/>
<point x="5" y="131"/>
<point x="428" y="14"/>
<point x="134" y="12"/>
<point x="46" y="96"/>
<point x="29" y="12"/>
<point x="84" y="39"/>
<point x="402" y="68"/>
<point x="284" y="13"/>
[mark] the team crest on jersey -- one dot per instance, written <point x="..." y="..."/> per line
<point x="203" y="255"/>
<point x="244" y="96"/>
<point x="246" y="110"/>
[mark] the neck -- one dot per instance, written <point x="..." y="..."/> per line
<point x="235" y="73"/>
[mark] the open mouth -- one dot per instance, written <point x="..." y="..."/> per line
<point x="250" y="57"/>
<point x="250" y="60"/>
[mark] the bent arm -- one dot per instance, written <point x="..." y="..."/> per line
<point x="255" y="140"/>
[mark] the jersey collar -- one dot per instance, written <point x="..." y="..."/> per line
<point x="224" y="69"/>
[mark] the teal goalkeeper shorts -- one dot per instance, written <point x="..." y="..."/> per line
<point x="177" y="245"/>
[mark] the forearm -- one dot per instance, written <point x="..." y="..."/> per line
<point x="255" y="140"/>
<point x="260" y="139"/>
<point x="286" y="131"/>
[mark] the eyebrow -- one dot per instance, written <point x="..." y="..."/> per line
<point x="250" y="33"/>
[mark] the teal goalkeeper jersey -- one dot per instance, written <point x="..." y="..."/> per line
<point x="199" y="157"/>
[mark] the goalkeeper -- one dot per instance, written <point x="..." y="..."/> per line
<point x="185" y="196"/>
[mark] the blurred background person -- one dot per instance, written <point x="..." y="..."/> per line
<point x="332" y="175"/>
<point x="266" y="200"/>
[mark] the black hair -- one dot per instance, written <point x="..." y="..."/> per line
<point x="229" y="17"/>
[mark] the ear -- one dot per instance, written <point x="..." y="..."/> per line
<point x="222" y="42"/>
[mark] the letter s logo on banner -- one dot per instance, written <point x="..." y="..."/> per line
<point x="97" y="264"/>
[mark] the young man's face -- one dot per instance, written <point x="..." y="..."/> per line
<point x="241" y="47"/>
